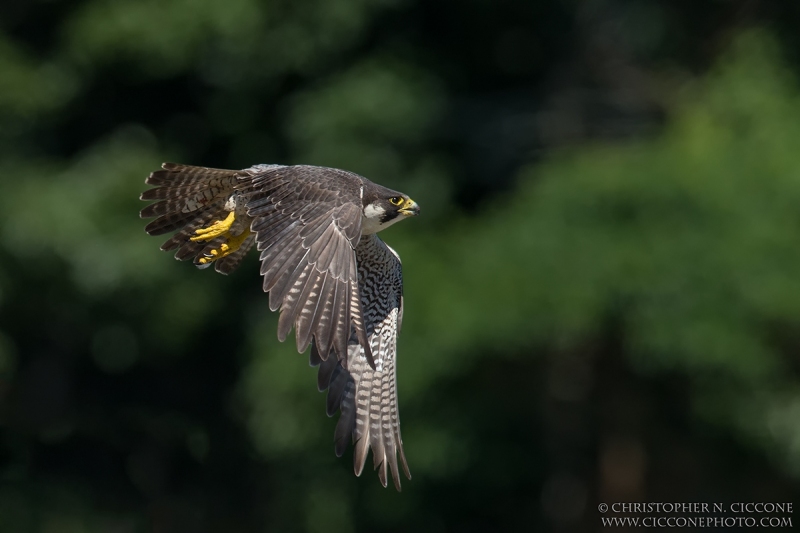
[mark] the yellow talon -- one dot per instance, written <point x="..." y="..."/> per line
<point x="216" y="229"/>
<point x="234" y="243"/>
<point x="226" y="248"/>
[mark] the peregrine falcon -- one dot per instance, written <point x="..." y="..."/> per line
<point x="324" y="267"/>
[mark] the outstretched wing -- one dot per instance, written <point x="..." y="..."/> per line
<point x="307" y="222"/>
<point x="367" y="396"/>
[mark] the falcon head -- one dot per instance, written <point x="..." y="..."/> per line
<point x="383" y="207"/>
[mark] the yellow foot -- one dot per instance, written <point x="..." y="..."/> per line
<point x="226" y="248"/>
<point x="220" y="227"/>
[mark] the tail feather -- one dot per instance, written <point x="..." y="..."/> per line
<point x="177" y="175"/>
<point x="180" y="240"/>
<point x="177" y="220"/>
<point x="191" y="198"/>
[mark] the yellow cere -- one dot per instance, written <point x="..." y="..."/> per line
<point x="408" y="207"/>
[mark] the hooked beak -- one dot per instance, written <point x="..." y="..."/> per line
<point x="410" y="208"/>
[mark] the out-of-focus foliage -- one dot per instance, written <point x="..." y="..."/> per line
<point x="594" y="312"/>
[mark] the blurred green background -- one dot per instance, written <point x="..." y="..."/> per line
<point x="602" y="294"/>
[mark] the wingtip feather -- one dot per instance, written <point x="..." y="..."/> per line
<point x="360" y="454"/>
<point x="381" y="468"/>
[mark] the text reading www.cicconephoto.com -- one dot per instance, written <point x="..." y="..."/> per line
<point x="696" y="514"/>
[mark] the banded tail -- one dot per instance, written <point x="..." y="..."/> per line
<point x="192" y="198"/>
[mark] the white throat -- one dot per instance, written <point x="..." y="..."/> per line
<point x="371" y="220"/>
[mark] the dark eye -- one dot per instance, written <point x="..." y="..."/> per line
<point x="395" y="200"/>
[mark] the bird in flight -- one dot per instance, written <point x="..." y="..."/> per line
<point x="334" y="280"/>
